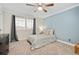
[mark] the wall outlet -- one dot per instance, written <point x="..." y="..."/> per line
<point x="69" y="40"/>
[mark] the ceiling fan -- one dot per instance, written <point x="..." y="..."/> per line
<point x="41" y="6"/>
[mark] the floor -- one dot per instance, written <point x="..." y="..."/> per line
<point x="56" y="48"/>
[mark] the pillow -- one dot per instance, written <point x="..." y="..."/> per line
<point x="46" y="32"/>
<point x="49" y="32"/>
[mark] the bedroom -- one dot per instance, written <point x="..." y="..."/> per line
<point x="59" y="23"/>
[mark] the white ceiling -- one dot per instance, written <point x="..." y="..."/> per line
<point x="21" y="8"/>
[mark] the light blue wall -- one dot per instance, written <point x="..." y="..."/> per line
<point x="66" y="25"/>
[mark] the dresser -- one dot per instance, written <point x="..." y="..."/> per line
<point x="4" y="44"/>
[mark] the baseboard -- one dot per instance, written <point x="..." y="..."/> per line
<point x="66" y="42"/>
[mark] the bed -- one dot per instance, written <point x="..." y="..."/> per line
<point x="44" y="38"/>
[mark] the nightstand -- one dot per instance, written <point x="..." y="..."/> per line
<point x="77" y="48"/>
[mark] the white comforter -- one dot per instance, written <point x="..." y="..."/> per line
<point x="38" y="41"/>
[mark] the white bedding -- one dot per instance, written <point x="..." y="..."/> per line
<point x="38" y="41"/>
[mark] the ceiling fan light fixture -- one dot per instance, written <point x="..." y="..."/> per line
<point x="40" y="8"/>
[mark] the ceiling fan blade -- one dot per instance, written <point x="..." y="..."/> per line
<point x="49" y="5"/>
<point x="30" y="5"/>
<point x="44" y="10"/>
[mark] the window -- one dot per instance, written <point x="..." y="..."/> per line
<point x="29" y="23"/>
<point x="23" y="23"/>
<point x="20" y="22"/>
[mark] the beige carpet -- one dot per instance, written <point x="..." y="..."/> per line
<point x="56" y="48"/>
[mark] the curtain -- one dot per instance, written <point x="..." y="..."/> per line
<point x="34" y="26"/>
<point x="13" y="30"/>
